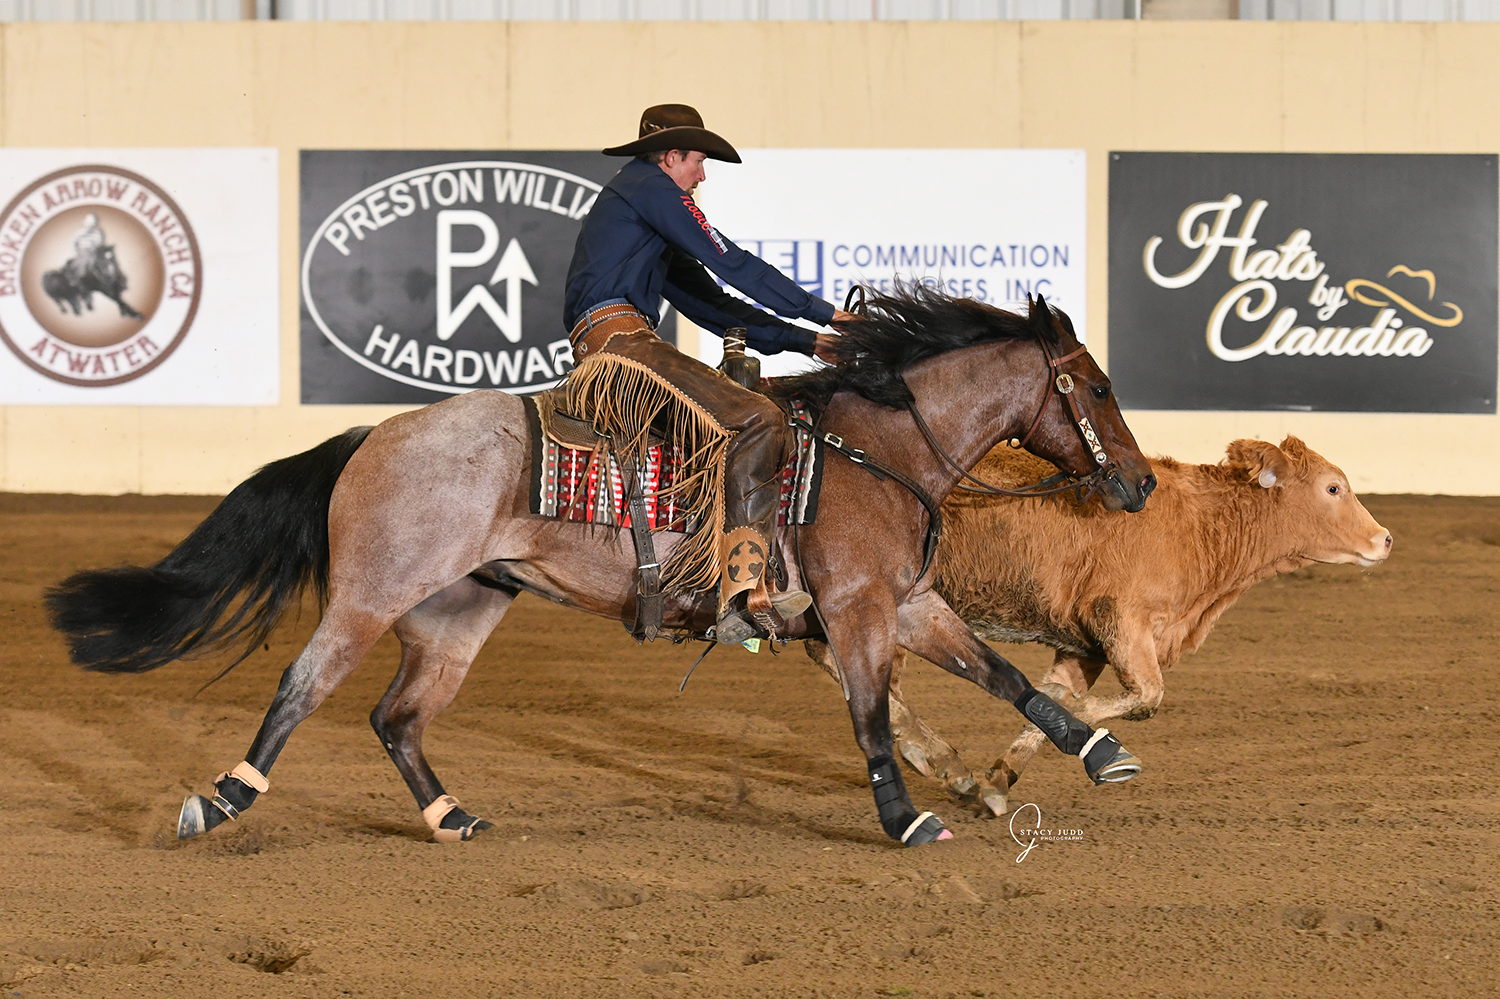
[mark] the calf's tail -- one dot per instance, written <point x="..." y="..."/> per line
<point x="227" y="583"/>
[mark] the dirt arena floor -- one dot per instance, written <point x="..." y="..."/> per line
<point x="1318" y="816"/>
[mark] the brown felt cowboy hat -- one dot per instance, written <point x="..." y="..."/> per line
<point x="675" y="126"/>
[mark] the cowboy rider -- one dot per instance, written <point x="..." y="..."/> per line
<point x="644" y="240"/>
<point x="86" y="245"/>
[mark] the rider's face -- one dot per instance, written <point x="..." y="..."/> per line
<point x="685" y="168"/>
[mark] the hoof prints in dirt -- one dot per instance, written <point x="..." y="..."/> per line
<point x="1310" y="919"/>
<point x="736" y="890"/>
<point x="23" y="959"/>
<point x="273" y="957"/>
<point x="587" y="895"/>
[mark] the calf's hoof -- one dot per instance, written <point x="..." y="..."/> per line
<point x="984" y="798"/>
<point x="994" y="799"/>
<point x="1106" y="761"/>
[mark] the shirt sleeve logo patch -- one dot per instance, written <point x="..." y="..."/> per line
<point x="697" y="214"/>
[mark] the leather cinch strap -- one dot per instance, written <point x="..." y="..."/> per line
<point x="648" y="596"/>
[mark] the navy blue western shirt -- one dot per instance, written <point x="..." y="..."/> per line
<point x="645" y="240"/>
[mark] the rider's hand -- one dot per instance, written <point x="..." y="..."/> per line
<point x="840" y="316"/>
<point x="824" y="348"/>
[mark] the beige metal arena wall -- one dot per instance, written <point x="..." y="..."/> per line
<point x="1097" y="85"/>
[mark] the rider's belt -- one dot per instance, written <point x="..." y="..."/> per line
<point x="603" y="322"/>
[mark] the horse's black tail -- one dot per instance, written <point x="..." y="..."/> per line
<point x="228" y="582"/>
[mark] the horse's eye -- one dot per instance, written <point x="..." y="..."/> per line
<point x="1333" y="490"/>
<point x="1101" y="391"/>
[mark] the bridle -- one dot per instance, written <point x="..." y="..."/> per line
<point x="1053" y="485"/>
<point x="1086" y="486"/>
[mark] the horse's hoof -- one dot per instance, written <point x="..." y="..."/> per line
<point x="1108" y="762"/>
<point x="467" y="829"/>
<point x="450" y="823"/>
<point x="925" y="828"/>
<point x="192" y="820"/>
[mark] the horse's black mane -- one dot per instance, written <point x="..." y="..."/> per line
<point x="910" y="324"/>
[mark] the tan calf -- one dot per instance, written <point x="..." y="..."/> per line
<point x="1133" y="592"/>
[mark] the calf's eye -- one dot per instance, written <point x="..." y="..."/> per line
<point x="1333" y="490"/>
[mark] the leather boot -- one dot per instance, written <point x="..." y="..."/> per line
<point x="743" y="558"/>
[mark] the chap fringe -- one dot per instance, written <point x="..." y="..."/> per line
<point x="624" y="398"/>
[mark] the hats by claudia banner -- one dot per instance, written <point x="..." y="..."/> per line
<point x="675" y="126"/>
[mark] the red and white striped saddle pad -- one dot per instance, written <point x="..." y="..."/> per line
<point x="572" y="483"/>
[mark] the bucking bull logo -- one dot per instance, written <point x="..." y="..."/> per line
<point x="100" y="275"/>
<point x="424" y="277"/>
<point x="1205" y="226"/>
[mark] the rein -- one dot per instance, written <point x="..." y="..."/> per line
<point x="882" y="471"/>
<point x="1050" y="486"/>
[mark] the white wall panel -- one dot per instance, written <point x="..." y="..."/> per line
<point x="120" y="10"/>
<point x="1370" y="10"/>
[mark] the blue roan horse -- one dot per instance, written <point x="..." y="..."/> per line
<point x="423" y="525"/>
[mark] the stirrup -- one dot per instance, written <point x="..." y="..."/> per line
<point x="736" y="627"/>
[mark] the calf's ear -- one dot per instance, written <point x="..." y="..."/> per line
<point x="1260" y="462"/>
<point x="1299" y="454"/>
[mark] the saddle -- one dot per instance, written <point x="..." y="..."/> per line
<point x="567" y="466"/>
<point x="576" y="476"/>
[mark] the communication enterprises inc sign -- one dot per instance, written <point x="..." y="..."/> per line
<point x="1339" y="282"/>
<point x="427" y="274"/>
<point x="996" y="225"/>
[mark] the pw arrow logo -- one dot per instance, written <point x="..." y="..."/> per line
<point x="512" y="269"/>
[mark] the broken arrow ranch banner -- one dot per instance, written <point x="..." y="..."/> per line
<point x="426" y="274"/>
<point x="1340" y="282"/>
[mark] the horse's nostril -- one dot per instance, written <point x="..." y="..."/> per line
<point x="1148" y="485"/>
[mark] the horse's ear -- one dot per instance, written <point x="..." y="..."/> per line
<point x="1040" y="318"/>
